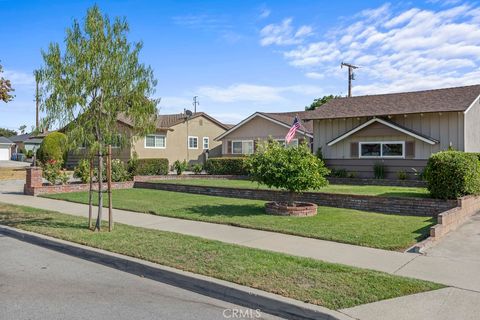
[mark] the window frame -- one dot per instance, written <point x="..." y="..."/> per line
<point x="155" y="141"/>
<point x="208" y="143"/>
<point x="381" y="143"/>
<point x="242" y="142"/>
<point x="188" y="142"/>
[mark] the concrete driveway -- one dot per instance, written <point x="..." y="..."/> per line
<point x="13" y="164"/>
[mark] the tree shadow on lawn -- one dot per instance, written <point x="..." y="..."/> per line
<point x="40" y="222"/>
<point x="229" y="210"/>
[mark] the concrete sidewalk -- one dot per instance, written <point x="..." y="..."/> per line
<point x="453" y="262"/>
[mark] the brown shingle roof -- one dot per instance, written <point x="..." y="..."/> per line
<point x="438" y="100"/>
<point x="166" y="121"/>
<point x="287" y="118"/>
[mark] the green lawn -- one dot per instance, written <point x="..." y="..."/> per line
<point x="331" y="285"/>
<point x="391" y="232"/>
<point x="386" y="191"/>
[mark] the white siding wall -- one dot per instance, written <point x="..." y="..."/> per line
<point x="472" y="128"/>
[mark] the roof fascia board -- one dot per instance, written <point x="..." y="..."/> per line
<point x="472" y="104"/>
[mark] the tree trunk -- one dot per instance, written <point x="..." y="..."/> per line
<point x="90" y="196"/>
<point x="109" y="181"/>
<point x="100" y="187"/>
<point x="291" y="198"/>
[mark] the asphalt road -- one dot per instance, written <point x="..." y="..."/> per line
<point x="37" y="283"/>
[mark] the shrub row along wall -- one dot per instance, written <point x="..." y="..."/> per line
<point x="189" y="176"/>
<point x="391" y="205"/>
<point x="377" y="182"/>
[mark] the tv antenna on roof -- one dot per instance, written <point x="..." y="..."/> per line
<point x="188" y="113"/>
<point x="351" y="75"/>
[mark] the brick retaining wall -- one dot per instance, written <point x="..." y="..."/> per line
<point x="73" y="187"/>
<point x="378" y="182"/>
<point x="391" y="205"/>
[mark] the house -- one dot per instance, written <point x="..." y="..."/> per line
<point x="5" y="148"/>
<point x="27" y="142"/>
<point x="260" y="126"/>
<point x="177" y="137"/>
<point x="399" y="130"/>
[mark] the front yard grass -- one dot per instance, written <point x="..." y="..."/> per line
<point x="385" y="191"/>
<point x="383" y="231"/>
<point x="331" y="285"/>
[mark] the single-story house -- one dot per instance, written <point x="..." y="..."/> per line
<point x="5" y="148"/>
<point x="177" y="137"/>
<point x="27" y="141"/>
<point x="242" y="138"/>
<point x="399" y="130"/>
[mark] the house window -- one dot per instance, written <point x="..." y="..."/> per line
<point x="391" y="149"/>
<point x="242" y="147"/>
<point x="293" y="142"/>
<point x="206" y="143"/>
<point x="155" y="141"/>
<point x="192" y="142"/>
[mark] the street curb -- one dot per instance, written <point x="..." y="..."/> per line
<point x="223" y="290"/>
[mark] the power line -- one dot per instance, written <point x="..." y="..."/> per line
<point x="351" y="75"/>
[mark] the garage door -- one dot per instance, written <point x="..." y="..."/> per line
<point x="4" y="153"/>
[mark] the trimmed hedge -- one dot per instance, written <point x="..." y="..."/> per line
<point x="53" y="147"/>
<point x="234" y="166"/>
<point x="453" y="174"/>
<point x="151" y="167"/>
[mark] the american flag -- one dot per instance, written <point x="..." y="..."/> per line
<point x="293" y="129"/>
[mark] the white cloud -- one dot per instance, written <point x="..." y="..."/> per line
<point x="244" y="92"/>
<point x="397" y="50"/>
<point x="19" y="78"/>
<point x="284" y="33"/>
<point x="264" y="13"/>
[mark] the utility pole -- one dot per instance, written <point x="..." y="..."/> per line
<point x="351" y="75"/>
<point x="37" y="99"/>
<point x="195" y="104"/>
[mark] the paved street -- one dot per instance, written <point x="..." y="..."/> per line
<point x="37" y="283"/>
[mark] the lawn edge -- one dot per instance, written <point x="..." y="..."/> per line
<point x="239" y="225"/>
<point x="219" y="289"/>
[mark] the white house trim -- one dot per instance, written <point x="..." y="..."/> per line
<point x="472" y="104"/>
<point x="388" y="124"/>
<point x="259" y="114"/>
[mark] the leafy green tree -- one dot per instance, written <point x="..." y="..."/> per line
<point x="5" y="88"/>
<point x="95" y="80"/>
<point x="7" y="132"/>
<point x="320" y="101"/>
<point x="294" y="169"/>
<point x="22" y="129"/>
<point x="53" y="147"/>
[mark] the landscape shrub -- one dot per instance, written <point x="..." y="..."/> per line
<point x="292" y="169"/>
<point x="53" y="147"/>
<point x="132" y="165"/>
<point x="338" y="173"/>
<point x="51" y="170"/>
<point x="379" y="170"/>
<point x="453" y="174"/>
<point x="180" y="166"/>
<point x="63" y="177"/>
<point x="82" y="171"/>
<point x="197" y="168"/>
<point x="151" y="167"/>
<point x="30" y="154"/>
<point x="402" y="175"/>
<point x="233" y="166"/>
<point x="119" y="171"/>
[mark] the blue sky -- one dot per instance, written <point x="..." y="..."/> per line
<point x="245" y="56"/>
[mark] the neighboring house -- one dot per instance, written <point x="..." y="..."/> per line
<point x="400" y="130"/>
<point x="5" y="148"/>
<point x="177" y="137"/>
<point x="242" y="139"/>
<point x="27" y="141"/>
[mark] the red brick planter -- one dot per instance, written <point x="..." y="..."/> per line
<point x="301" y="209"/>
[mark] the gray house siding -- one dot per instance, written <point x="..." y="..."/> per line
<point x="447" y="128"/>
<point x="472" y="127"/>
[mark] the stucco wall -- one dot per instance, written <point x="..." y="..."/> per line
<point x="472" y="128"/>
<point x="177" y="142"/>
<point x="258" y="128"/>
<point x="447" y="127"/>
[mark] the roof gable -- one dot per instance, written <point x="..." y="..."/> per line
<point x="281" y="119"/>
<point x="385" y="124"/>
<point x="457" y="99"/>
